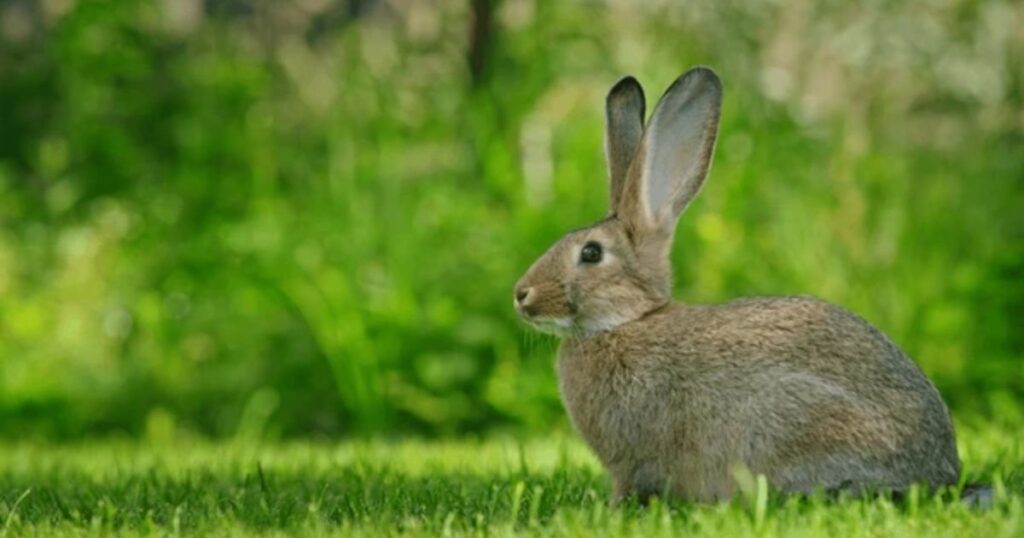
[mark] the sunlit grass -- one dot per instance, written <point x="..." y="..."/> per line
<point x="543" y="486"/>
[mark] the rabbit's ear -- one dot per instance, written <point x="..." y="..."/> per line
<point x="675" y="154"/>
<point x="624" y="125"/>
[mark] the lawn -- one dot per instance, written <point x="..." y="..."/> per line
<point x="544" y="486"/>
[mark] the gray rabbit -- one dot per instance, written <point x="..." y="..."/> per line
<point x="676" y="397"/>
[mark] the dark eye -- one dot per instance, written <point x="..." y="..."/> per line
<point x="591" y="253"/>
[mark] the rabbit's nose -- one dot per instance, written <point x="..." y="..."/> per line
<point x="522" y="294"/>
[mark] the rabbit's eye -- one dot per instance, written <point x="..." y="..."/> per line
<point x="591" y="253"/>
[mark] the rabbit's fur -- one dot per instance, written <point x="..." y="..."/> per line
<point x="677" y="398"/>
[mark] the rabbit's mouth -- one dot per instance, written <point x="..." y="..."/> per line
<point x="550" y="325"/>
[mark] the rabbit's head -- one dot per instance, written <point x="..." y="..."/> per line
<point x="618" y="269"/>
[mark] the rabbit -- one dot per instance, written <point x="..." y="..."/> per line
<point x="677" y="398"/>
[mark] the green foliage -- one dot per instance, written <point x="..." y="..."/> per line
<point x="543" y="487"/>
<point x="276" y="219"/>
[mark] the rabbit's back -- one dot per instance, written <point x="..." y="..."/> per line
<point x="798" y="389"/>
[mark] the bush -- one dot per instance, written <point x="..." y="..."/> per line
<point x="281" y="219"/>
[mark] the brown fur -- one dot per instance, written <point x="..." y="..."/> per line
<point x="676" y="397"/>
<point x="625" y="120"/>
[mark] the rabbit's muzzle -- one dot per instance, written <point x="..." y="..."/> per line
<point x="543" y="305"/>
<point x="541" y="301"/>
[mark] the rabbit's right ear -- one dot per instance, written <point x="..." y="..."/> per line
<point x="674" y="155"/>
<point x="624" y="125"/>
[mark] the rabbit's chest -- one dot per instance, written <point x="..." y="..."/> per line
<point x="617" y="409"/>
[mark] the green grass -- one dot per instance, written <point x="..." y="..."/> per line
<point x="550" y="486"/>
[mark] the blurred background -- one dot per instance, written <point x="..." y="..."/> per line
<point x="303" y="218"/>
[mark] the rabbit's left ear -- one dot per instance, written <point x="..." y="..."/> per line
<point x="624" y="125"/>
<point x="675" y="153"/>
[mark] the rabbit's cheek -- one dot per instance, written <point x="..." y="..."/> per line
<point x="572" y="305"/>
<point x="573" y="298"/>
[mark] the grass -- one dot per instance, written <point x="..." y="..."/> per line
<point x="550" y="486"/>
